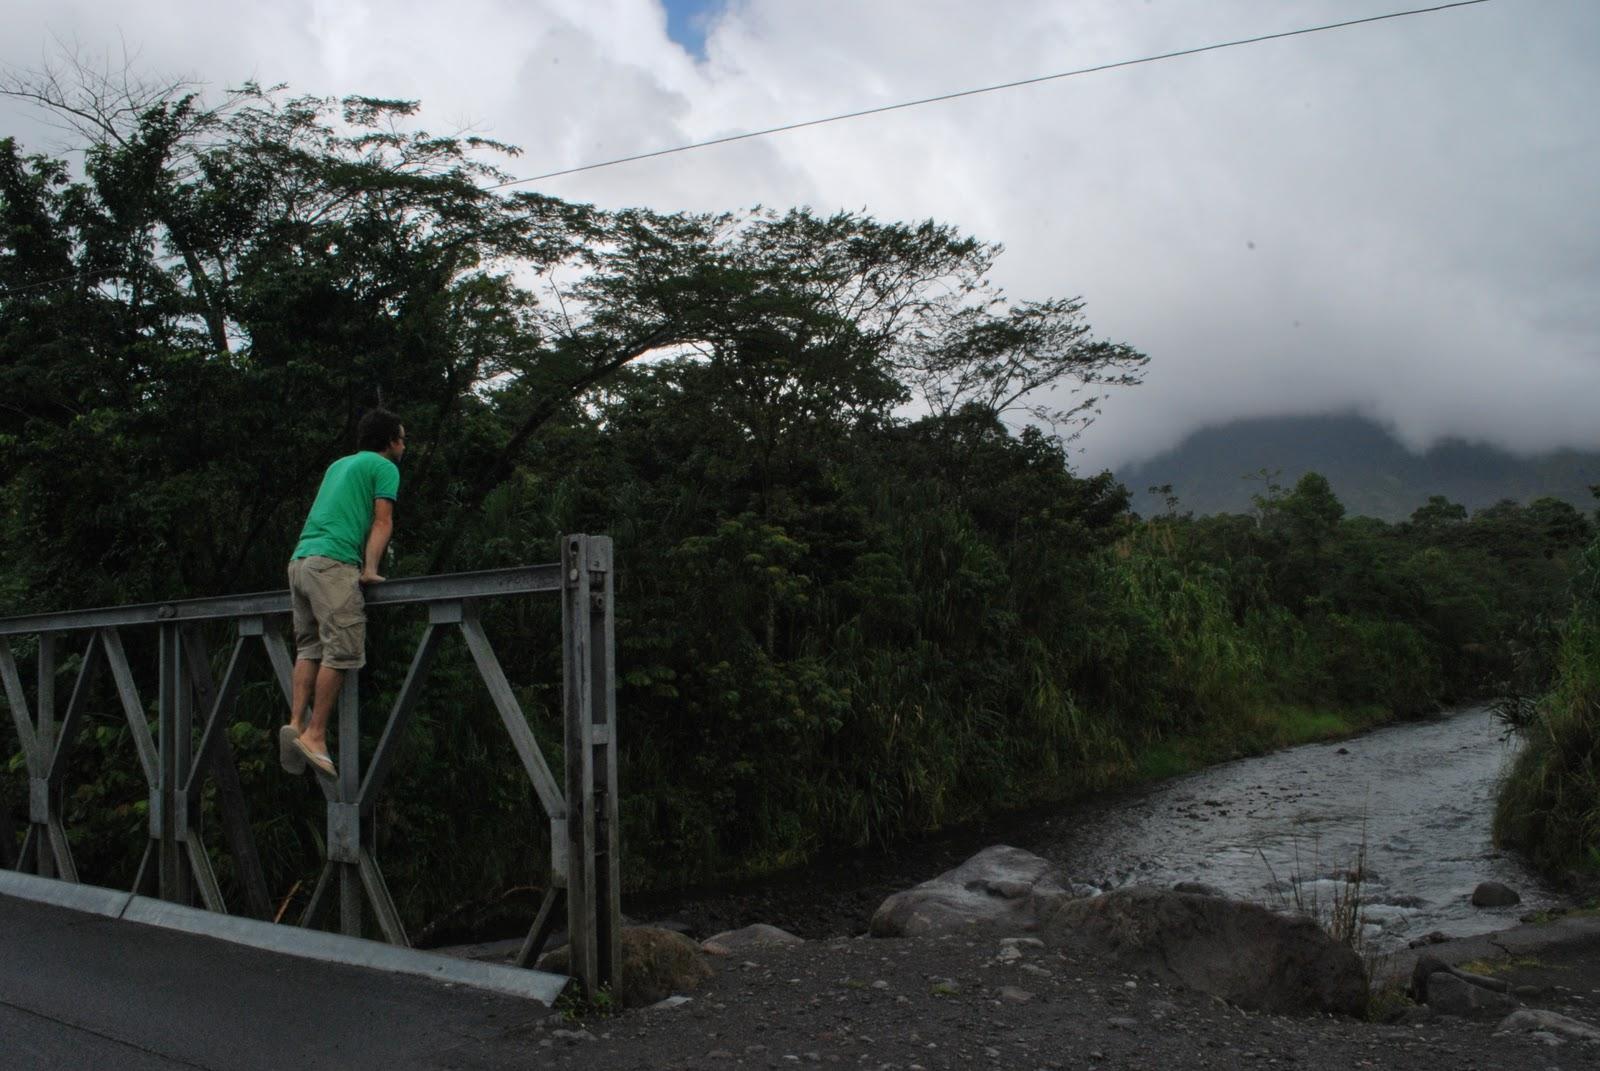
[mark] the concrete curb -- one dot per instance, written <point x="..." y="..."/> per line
<point x="88" y="898"/>
<point x="285" y="940"/>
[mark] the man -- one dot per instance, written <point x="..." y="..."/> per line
<point x="340" y="547"/>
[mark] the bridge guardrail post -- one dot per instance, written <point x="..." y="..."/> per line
<point x="349" y="790"/>
<point x="589" y="691"/>
<point x="174" y="713"/>
<point x="42" y="801"/>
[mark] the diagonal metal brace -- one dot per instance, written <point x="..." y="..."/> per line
<point x="17" y="699"/>
<point x="516" y="723"/>
<point x="394" y="731"/>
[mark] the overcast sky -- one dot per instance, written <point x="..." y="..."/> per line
<point x="1401" y="218"/>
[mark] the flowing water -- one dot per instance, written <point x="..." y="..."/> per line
<point x="1287" y="828"/>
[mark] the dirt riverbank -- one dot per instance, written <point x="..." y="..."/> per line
<point x="901" y="1005"/>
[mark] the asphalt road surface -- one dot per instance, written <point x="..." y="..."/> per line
<point x="81" y="991"/>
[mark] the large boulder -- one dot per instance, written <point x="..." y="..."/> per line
<point x="1494" y="894"/>
<point x="1241" y="952"/>
<point x="729" y="941"/>
<point x="1427" y="967"/>
<point x="1451" y="994"/>
<point x="656" y="963"/>
<point x="1001" y="890"/>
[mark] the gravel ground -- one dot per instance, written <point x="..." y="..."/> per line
<point x="958" y="1003"/>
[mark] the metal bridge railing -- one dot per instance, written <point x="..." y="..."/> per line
<point x="581" y="807"/>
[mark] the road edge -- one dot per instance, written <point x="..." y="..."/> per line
<point x="541" y="986"/>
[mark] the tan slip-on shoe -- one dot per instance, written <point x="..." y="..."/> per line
<point x="318" y="759"/>
<point x="291" y="758"/>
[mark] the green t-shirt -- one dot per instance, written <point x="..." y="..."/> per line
<point x="342" y="513"/>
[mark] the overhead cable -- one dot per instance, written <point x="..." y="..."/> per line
<point x="984" y="89"/>
<point x="1258" y="39"/>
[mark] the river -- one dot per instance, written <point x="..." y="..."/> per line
<point x="1419" y="796"/>
<point x="1286" y="827"/>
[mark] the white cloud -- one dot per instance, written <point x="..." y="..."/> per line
<point x="1397" y="217"/>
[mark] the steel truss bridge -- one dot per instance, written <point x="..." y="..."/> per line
<point x="190" y="747"/>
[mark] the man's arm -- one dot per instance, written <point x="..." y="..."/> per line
<point x="378" y="538"/>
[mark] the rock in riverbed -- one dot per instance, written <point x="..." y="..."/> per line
<point x="655" y="964"/>
<point x="1428" y="966"/>
<point x="757" y="934"/>
<point x="1450" y="994"/>
<point x="1241" y="952"/>
<point x="1531" y="1019"/>
<point x="1450" y="990"/>
<point x="1238" y="951"/>
<point x="1000" y="890"/>
<point x="1494" y="894"/>
<point x="1198" y="888"/>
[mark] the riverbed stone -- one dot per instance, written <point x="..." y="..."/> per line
<point x="1425" y="967"/>
<point x="1482" y="981"/>
<point x="1238" y="951"/>
<point x="1198" y="888"/>
<point x="751" y="936"/>
<point x="1450" y="994"/>
<point x="1494" y="894"/>
<point x="1428" y="967"/>
<point x="1537" y="1019"/>
<point x="655" y="965"/>
<point x="1001" y="889"/>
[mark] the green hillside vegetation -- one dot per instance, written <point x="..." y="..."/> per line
<point x="1549" y="805"/>
<point x="837" y="627"/>
<point x="1219" y="469"/>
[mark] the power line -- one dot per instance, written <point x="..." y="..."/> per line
<point x="985" y="89"/>
<point x="26" y="287"/>
<point x="41" y="284"/>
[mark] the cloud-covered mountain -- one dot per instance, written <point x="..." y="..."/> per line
<point x="1219" y="468"/>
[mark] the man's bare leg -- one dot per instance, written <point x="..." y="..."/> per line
<point x="301" y="684"/>
<point x="328" y="683"/>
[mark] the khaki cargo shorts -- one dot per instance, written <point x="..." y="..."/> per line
<point x="330" y="616"/>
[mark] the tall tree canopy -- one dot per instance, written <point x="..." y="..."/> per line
<point x="190" y="328"/>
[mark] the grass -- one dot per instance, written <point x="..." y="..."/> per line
<point x="574" y="1007"/>
<point x="1303" y="725"/>
<point x="1255" y="732"/>
<point x="1288" y="724"/>
<point x="1549" y="802"/>
<point x="1490" y="967"/>
<point x="1388" y="1002"/>
<point x="1341" y="917"/>
<point x="1165" y="759"/>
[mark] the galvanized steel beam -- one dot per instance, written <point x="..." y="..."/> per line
<point x="394" y="730"/>
<point x="214" y="755"/>
<point x="511" y="715"/>
<point x="45" y="742"/>
<point x="481" y="585"/>
<point x="594" y="916"/>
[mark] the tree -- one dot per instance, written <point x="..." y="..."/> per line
<point x="193" y="327"/>
<point x="272" y="255"/>
<point x="1438" y="512"/>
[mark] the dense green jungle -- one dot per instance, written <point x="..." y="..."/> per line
<point x="862" y="593"/>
